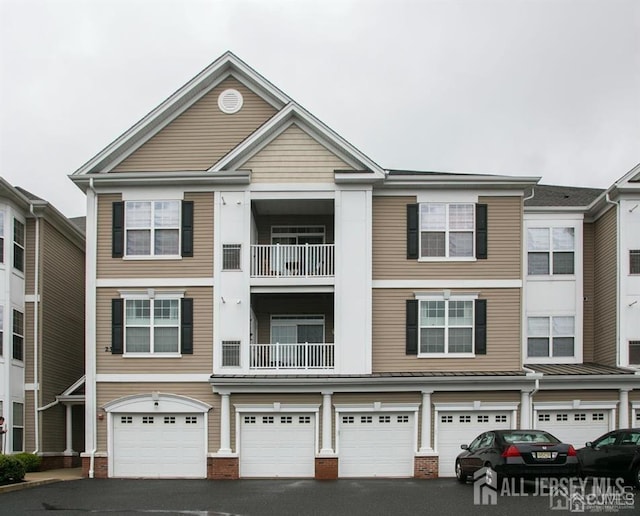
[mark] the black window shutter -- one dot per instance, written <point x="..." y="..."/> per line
<point x="187" y="228"/>
<point x="117" y="230"/>
<point x="481" y="327"/>
<point x="481" y="231"/>
<point x="412" y="231"/>
<point x="186" y="327"/>
<point x="412" y="327"/>
<point x="117" y="326"/>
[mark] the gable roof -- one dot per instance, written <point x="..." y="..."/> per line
<point x="225" y="66"/>
<point x="296" y="114"/>
<point x="288" y="113"/>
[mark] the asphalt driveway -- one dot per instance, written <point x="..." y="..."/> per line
<point x="270" y="497"/>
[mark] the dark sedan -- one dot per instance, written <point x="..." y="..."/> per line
<point x="614" y="455"/>
<point x="517" y="453"/>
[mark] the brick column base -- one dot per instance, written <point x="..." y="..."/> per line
<point x="326" y="468"/>
<point x="223" y="468"/>
<point x="100" y="467"/>
<point x="425" y="467"/>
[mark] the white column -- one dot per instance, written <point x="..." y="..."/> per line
<point x="623" y="414"/>
<point x="225" y="424"/>
<point x="525" y="409"/>
<point x="425" y="435"/>
<point x="69" y="429"/>
<point x="326" y="424"/>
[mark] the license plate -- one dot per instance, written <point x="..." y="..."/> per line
<point x="543" y="455"/>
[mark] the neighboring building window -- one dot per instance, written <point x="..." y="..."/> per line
<point x="152" y="228"/>
<point x="230" y="353"/>
<point x="152" y="326"/>
<point x="447" y="230"/>
<point x="634" y="352"/>
<point x="446" y="326"/>
<point x="18" y="335"/>
<point x="1" y="236"/>
<point x="18" y="427"/>
<point x="231" y="257"/>
<point x="18" y="245"/>
<point x="634" y="261"/>
<point x="550" y="336"/>
<point x="551" y="251"/>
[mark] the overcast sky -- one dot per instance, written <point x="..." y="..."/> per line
<point x="518" y="87"/>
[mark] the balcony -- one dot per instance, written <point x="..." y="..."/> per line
<point x="292" y="261"/>
<point x="302" y="356"/>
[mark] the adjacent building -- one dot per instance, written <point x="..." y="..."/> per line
<point x="41" y="329"/>
<point x="264" y="300"/>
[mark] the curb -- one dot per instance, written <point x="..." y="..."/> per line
<point x="26" y="485"/>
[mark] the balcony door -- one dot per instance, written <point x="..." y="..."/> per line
<point x="297" y="330"/>
<point x="297" y="235"/>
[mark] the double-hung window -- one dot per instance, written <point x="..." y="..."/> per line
<point x="446" y="326"/>
<point x="447" y="230"/>
<point x="152" y="228"/>
<point x="1" y="236"/>
<point x="551" y="251"/>
<point x="18" y="427"/>
<point x="18" y="335"/>
<point x="156" y="324"/>
<point x="18" y="245"/>
<point x="552" y="336"/>
<point x="440" y="326"/>
<point x="152" y="326"/>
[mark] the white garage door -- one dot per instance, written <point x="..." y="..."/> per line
<point x="456" y="428"/>
<point x="281" y="445"/>
<point x="574" y="426"/>
<point x="376" y="445"/>
<point x="159" y="446"/>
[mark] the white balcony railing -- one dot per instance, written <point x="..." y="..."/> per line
<point x="297" y="261"/>
<point x="291" y="356"/>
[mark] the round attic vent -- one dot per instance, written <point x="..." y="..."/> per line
<point x="230" y="101"/>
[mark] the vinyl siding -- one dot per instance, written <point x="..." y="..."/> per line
<point x="62" y="310"/>
<point x="588" y="293"/>
<point x="200" y="362"/>
<point x="107" y="392"/>
<point x="199" y="266"/>
<point x="605" y="265"/>
<point x="202" y="135"/>
<point x="503" y="334"/>
<point x="294" y="157"/>
<point x="390" y="243"/>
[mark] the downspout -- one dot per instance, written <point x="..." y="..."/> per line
<point x="618" y="278"/>
<point x="94" y="396"/>
<point x="532" y="392"/>
<point x="36" y="336"/>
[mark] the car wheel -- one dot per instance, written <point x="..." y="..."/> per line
<point x="460" y="474"/>
<point x="636" y="477"/>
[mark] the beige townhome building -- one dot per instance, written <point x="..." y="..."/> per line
<point x="41" y="329"/>
<point x="264" y="300"/>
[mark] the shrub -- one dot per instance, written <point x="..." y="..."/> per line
<point x="30" y="461"/>
<point x="11" y="469"/>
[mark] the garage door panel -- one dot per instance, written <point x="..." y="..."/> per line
<point x="376" y="445"/>
<point x="277" y="445"/>
<point x="456" y="428"/>
<point x="159" y="446"/>
<point x="574" y="426"/>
